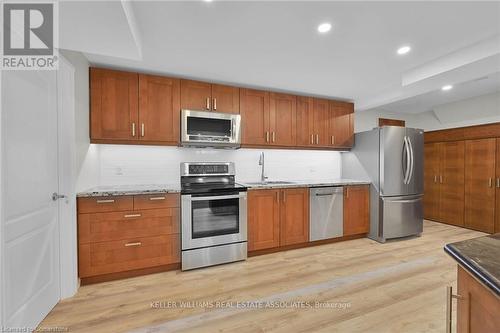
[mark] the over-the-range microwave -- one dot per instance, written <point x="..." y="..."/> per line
<point x="210" y="129"/>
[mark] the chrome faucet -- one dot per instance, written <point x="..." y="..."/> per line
<point x="262" y="170"/>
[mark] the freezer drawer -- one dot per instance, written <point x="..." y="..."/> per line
<point x="326" y="213"/>
<point x="401" y="216"/>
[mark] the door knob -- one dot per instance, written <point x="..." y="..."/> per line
<point x="56" y="196"/>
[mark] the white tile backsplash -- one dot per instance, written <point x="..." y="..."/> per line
<point x="128" y="165"/>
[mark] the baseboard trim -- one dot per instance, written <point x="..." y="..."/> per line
<point x="127" y="274"/>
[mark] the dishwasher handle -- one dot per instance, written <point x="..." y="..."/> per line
<point x="325" y="194"/>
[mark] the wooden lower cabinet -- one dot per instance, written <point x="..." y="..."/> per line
<point x="356" y="210"/>
<point x="497" y="184"/>
<point x="121" y="234"/>
<point x="294" y="227"/>
<point x="480" y="156"/>
<point x="277" y="217"/>
<point x="478" y="309"/>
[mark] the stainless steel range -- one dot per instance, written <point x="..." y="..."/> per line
<point x="214" y="215"/>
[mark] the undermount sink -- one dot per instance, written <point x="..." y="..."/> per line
<point x="271" y="182"/>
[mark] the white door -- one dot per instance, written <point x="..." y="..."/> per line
<point x="30" y="227"/>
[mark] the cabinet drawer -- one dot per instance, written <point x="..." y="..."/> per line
<point x="99" y="227"/>
<point x="156" y="201"/>
<point x="129" y="254"/>
<point x="105" y="204"/>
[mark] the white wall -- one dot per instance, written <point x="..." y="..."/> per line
<point x="474" y="111"/>
<point x="123" y="165"/>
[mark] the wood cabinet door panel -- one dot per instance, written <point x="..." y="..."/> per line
<point x="294" y="227"/>
<point x="356" y="210"/>
<point x="159" y="109"/>
<point x="321" y="120"/>
<point x="196" y="95"/>
<point x="497" y="207"/>
<point x="130" y="254"/>
<point x="263" y="219"/>
<point x="340" y="127"/>
<point x="305" y="119"/>
<point x="105" y="204"/>
<point x="225" y="99"/>
<point x="113" y="104"/>
<point x="254" y="110"/>
<point x="480" y="158"/>
<point x="452" y="183"/>
<point x="100" y="227"/>
<point x="283" y="119"/>
<point x="477" y="311"/>
<point x="431" y="180"/>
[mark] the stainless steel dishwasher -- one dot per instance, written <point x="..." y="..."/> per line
<point x="326" y="212"/>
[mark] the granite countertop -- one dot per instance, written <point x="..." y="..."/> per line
<point x="130" y="190"/>
<point x="480" y="257"/>
<point x="306" y="183"/>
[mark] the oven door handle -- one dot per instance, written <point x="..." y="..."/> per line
<point x="219" y="197"/>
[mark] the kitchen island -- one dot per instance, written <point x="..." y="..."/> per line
<point x="478" y="298"/>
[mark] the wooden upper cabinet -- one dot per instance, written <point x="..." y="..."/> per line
<point x="451" y="182"/>
<point x="480" y="156"/>
<point x="255" y="117"/>
<point x="356" y="210"/>
<point x="321" y="115"/>
<point x="263" y="219"/>
<point x="294" y="226"/>
<point x="159" y="109"/>
<point x="113" y="105"/>
<point x="203" y="96"/>
<point x="341" y="125"/>
<point x="225" y="99"/>
<point x="283" y="119"/>
<point x="431" y="180"/>
<point x="196" y="95"/>
<point x="497" y="207"/>
<point x="305" y="127"/>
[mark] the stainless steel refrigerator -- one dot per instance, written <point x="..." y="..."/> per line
<point x="392" y="159"/>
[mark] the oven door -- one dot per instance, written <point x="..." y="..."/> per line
<point x="209" y="220"/>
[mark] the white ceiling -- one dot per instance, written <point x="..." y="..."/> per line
<point x="275" y="45"/>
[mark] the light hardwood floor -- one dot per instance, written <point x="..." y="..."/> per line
<point x="394" y="287"/>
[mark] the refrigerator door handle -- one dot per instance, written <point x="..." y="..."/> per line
<point x="412" y="160"/>
<point x="406" y="153"/>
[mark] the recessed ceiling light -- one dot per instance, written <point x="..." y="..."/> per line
<point x="447" y="87"/>
<point x="324" y="27"/>
<point x="404" y="50"/>
<point x="207" y="0"/>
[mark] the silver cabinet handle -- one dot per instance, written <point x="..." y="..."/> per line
<point x="267" y="136"/>
<point x="105" y="201"/>
<point x="435" y="179"/>
<point x="333" y="139"/>
<point x="274" y="136"/>
<point x="133" y="244"/>
<point x="449" y="299"/>
<point x="215" y="103"/>
<point x="142" y="129"/>
<point x="132" y="215"/>
<point x="312" y="139"/>
<point x="284" y="196"/>
<point x="157" y="198"/>
<point x="317" y="139"/>
<point x="441" y="179"/>
<point x="498" y="182"/>
<point x="133" y="129"/>
<point x="208" y="103"/>
<point x="490" y="182"/>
